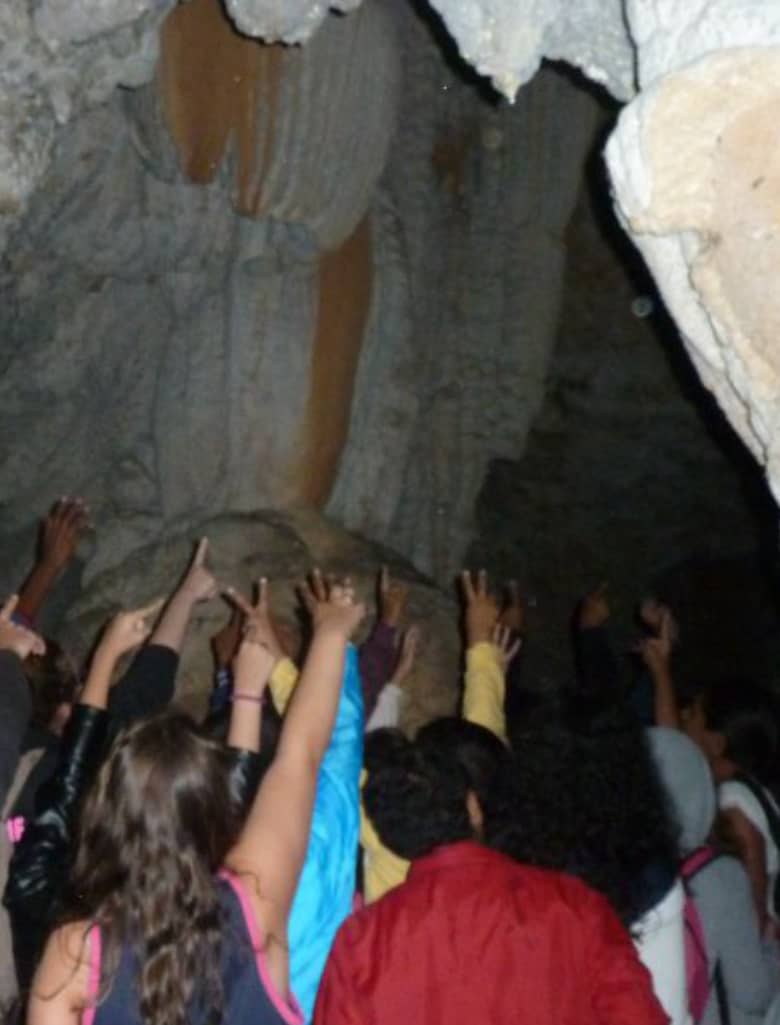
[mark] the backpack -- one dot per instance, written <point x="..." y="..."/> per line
<point x="773" y="821"/>
<point x="697" y="962"/>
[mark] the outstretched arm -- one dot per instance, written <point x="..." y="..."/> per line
<point x="59" y="537"/>
<point x="197" y="586"/>
<point x="273" y="843"/>
<point x="148" y="684"/>
<point x="484" y="684"/>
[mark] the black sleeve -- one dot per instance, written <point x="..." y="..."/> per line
<point x="245" y="770"/>
<point x="146" y="687"/>
<point x="15" y="708"/>
<point x="597" y="667"/>
<point x="40" y="861"/>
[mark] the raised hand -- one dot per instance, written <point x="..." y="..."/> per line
<point x="258" y="623"/>
<point x="655" y="652"/>
<point x="226" y="640"/>
<point x="392" y="598"/>
<point x="19" y="639"/>
<point x="481" y="608"/>
<point x="654" y="614"/>
<point x="199" y="583"/>
<point x="513" y="614"/>
<point x="332" y="605"/>
<point x="61" y="530"/>
<point x="594" y="609"/>
<point x="129" y="629"/>
<point x="507" y="642"/>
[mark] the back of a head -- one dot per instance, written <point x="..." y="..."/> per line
<point x="485" y="760"/>
<point x="156" y="826"/>
<point x="591" y="803"/>
<point x="746" y="715"/>
<point x="416" y="797"/>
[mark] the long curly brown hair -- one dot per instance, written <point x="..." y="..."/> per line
<point x="155" y="828"/>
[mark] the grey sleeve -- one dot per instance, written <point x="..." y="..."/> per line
<point x="15" y="707"/>
<point x="725" y="904"/>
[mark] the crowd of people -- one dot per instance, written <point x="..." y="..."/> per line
<point x="607" y="853"/>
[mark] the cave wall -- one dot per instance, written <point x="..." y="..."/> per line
<point x="630" y="476"/>
<point x="272" y="277"/>
<point x="329" y="277"/>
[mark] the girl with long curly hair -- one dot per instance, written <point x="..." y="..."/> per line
<point x="178" y="913"/>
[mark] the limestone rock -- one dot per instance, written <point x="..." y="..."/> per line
<point x="620" y="481"/>
<point x="696" y="168"/>
<point x="297" y="135"/>
<point x="469" y="226"/>
<point x="294" y="21"/>
<point x="282" y="547"/>
<point x="506" y="40"/>
<point x="57" y="59"/>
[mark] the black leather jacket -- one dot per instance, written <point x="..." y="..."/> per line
<point x="41" y="860"/>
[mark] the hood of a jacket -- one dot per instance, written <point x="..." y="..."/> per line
<point x="688" y="782"/>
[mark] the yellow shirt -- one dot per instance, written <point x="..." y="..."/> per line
<point x="483" y="704"/>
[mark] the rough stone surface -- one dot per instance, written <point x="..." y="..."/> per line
<point x="293" y="21"/>
<point x="233" y="286"/>
<point x="469" y="223"/>
<point x="696" y="168"/>
<point x="283" y="547"/>
<point x="57" y="59"/>
<point x="160" y="352"/>
<point x="296" y="135"/>
<point x="506" y="40"/>
<point x="171" y="359"/>
<point x="630" y="476"/>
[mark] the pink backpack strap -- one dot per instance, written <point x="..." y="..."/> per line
<point x="696" y="861"/>
<point x="288" y="1010"/>
<point x="93" y="979"/>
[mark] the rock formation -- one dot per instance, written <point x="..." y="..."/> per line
<point x="240" y="274"/>
<point x="283" y="546"/>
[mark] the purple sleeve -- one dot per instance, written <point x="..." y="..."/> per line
<point x="378" y="657"/>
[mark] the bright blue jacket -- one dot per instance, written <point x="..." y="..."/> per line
<point x="327" y="885"/>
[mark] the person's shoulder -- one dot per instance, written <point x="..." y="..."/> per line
<point x="65" y="966"/>
<point x="550" y="885"/>
<point x="734" y="795"/>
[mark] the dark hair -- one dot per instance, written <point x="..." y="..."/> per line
<point x="53" y="682"/>
<point x="591" y="803"/>
<point x="380" y="745"/>
<point x="156" y="826"/>
<point x="746" y="714"/>
<point x="416" y="798"/>
<point x="487" y="764"/>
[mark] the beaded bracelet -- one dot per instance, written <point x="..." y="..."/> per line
<point x="240" y="696"/>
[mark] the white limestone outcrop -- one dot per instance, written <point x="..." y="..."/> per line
<point x="695" y="164"/>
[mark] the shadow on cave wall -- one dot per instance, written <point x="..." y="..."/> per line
<point x="631" y="475"/>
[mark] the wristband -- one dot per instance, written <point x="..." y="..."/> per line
<point x="242" y="696"/>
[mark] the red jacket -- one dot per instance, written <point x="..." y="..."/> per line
<point x="473" y="937"/>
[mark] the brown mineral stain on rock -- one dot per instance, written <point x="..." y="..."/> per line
<point x="345" y="278"/>
<point x="219" y="91"/>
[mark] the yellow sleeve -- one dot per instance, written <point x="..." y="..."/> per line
<point x="483" y="693"/>
<point x="283" y="679"/>
<point x="382" y="870"/>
